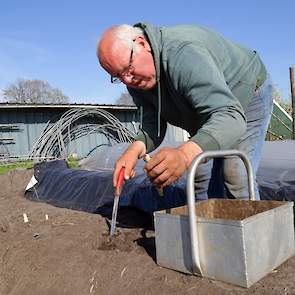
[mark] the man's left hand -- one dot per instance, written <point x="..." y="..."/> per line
<point x="168" y="164"/>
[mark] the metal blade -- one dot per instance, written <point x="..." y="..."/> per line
<point x="114" y="215"/>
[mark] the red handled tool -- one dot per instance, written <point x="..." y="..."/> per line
<point x="118" y="190"/>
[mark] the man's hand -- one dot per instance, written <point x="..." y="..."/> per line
<point x="128" y="160"/>
<point x="167" y="165"/>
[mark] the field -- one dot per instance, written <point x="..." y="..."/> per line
<point x="71" y="253"/>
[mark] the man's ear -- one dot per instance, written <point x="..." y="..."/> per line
<point x="141" y="41"/>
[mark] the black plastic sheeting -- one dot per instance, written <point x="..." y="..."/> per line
<point x="92" y="191"/>
<point x="276" y="173"/>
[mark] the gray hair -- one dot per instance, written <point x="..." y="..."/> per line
<point x="126" y="34"/>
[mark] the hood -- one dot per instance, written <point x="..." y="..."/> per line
<point x="154" y="36"/>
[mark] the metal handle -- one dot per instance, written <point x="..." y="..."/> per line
<point x="190" y="190"/>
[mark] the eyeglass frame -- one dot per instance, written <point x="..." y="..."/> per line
<point x="127" y="71"/>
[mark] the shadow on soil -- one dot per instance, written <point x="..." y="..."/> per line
<point x="148" y="243"/>
<point x="129" y="217"/>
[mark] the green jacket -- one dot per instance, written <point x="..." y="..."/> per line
<point x="204" y="84"/>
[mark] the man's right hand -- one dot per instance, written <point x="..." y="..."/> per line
<point x="128" y="159"/>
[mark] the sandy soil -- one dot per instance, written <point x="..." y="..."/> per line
<point x="70" y="253"/>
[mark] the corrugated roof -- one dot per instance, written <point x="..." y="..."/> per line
<point x="7" y="105"/>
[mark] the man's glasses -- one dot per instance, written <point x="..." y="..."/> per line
<point x="126" y="72"/>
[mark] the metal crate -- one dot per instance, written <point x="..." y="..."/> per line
<point x="236" y="241"/>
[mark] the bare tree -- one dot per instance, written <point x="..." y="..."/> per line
<point x="125" y="99"/>
<point x="34" y="91"/>
<point x="287" y="106"/>
<point x="284" y="103"/>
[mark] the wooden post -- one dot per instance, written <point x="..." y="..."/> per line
<point x="292" y="97"/>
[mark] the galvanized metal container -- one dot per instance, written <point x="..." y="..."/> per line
<point x="236" y="241"/>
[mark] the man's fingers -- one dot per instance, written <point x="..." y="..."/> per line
<point x="133" y="173"/>
<point x="154" y="161"/>
<point x="117" y="169"/>
<point x="167" y="182"/>
<point x="128" y="160"/>
<point x="161" y="178"/>
<point x="128" y="172"/>
<point x="156" y="170"/>
<point x="165" y="167"/>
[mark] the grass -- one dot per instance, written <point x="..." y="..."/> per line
<point x="73" y="163"/>
<point x="18" y="165"/>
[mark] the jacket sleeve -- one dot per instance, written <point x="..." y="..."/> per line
<point x="199" y="79"/>
<point x="148" y="132"/>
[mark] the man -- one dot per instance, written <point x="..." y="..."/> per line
<point x="193" y="78"/>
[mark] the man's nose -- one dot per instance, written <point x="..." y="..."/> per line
<point x="127" y="79"/>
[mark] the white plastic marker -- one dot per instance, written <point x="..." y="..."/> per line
<point x="26" y="219"/>
<point x="147" y="158"/>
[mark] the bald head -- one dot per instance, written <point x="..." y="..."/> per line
<point x="115" y="41"/>
<point x="124" y="53"/>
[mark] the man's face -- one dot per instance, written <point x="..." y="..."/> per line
<point x="133" y="66"/>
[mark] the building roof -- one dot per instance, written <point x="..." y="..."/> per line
<point x="8" y="105"/>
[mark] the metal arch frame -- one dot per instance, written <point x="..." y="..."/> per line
<point x="55" y="138"/>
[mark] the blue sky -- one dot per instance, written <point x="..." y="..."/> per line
<point x="55" y="40"/>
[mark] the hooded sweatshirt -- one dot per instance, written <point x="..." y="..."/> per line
<point x="204" y="85"/>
